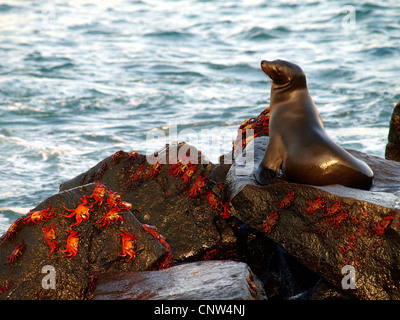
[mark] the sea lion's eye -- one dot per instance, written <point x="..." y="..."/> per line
<point x="278" y="73"/>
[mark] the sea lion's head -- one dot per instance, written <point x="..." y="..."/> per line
<point x="284" y="73"/>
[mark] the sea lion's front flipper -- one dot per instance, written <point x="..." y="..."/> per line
<point x="268" y="170"/>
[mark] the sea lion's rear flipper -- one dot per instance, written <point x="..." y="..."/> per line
<point x="265" y="176"/>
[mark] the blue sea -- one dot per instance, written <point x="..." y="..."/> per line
<point x="80" y="80"/>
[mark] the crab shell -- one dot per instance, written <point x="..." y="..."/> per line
<point x="127" y="245"/>
<point x="50" y="237"/>
<point x="38" y="216"/>
<point x="113" y="214"/>
<point x="72" y="244"/>
<point x="16" y="252"/>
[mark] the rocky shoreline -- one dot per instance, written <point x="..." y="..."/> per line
<point x="137" y="227"/>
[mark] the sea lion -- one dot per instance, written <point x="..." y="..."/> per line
<point x="298" y="142"/>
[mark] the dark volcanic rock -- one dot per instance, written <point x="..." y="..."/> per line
<point x="193" y="228"/>
<point x="337" y="232"/>
<point x="326" y="228"/>
<point x="207" y="280"/>
<point x="283" y="276"/>
<point x="392" y="151"/>
<point x="99" y="248"/>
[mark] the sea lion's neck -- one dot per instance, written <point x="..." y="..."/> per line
<point x="284" y="92"/>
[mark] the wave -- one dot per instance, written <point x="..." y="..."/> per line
<point x="9" y="215"/>
<point x="259" y="33"/>
<point x="6" y="7"/>
<point x="170" y="35"/>
<point x="381" y="51"/>
<point x="14" y="210"/>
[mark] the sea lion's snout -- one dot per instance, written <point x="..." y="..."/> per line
<point x="265" y="67"/>
<point x="274" y="72"/>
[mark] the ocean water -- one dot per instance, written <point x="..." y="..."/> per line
<point x="80" y="80"/>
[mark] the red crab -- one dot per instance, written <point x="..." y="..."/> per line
<point x="287" y="201"/>
<point x="156" y="236"/>
<point x="336" y="214"/>
<point x="197" y="186"/>
<point x="50" y="237"/>
<point x="167" y="263"/>
<point x="351" y="244"/>
<point x="38" y="216"/>
<point x="352" y="241"/>
<point x="378" y="229"/>
<point x="126" y="205"/>
<point x="264" y="120"/>
<point x="114" y="200"/>
<point x="113" y="214"/>
<point x="322" y="229"/>
<point x="249" y="136"/>
<point x="360" y="232"/>
<point x="12" y="230"/>
<point x="386" y="221"/>
<point x="212" y="199"/>
<point x="116" y="156"/>
<point x="95" y="176"/>
<point x="346" y="248"/>
<point x="93" y="277"/>
<point x="127" y="245"/>
<point x="318" y="204"/>
<point x="98" y="193"/>
<point x="335" y="209"/>
<point x="138" y="173"/>
<point x="16" y="252"/>
<point x="225" y="212"/>
<point x="154" y="170"/>
<point x="72" y="244"/>
<point x="269" y="224"/>
<point x="81" y="212"/>
<point x="359" y="217"/>
<point x="247" y="124"/>
<point x="5" y="287"/>
<point x="187" y="175"/>
<point x="211" y="254"/>
<point x="338" y="218"/>
<point x="177" y="169"/>
<point x="133" y="155"/>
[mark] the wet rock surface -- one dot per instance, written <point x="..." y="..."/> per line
<point x="75" y="250"/>
<point x="325" y="232"/>
<point x="282" y="241"/>
<point x="186" y="207"/>
<point x="206" y="280"/>
<point x="326" y="228"/>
